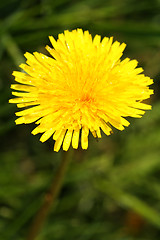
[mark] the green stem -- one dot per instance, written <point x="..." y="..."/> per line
<point x="12" y="49"/>
<point x="49" y="198"/>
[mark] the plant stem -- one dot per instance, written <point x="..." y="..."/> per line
<point x="49" y="198"/>
<point x="12" y="49"/>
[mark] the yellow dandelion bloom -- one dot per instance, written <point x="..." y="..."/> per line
<point x="83" y="87"/>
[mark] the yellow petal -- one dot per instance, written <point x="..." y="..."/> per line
<point x="59" y="141"/>
<point x="84" y="137"/>
<point x="47" y="135"/>
<point x="105" y="128"/>
<point x="75" y="139"/>
<point x="21" y="87"/>
<point x="37" y="130"/>
<point x="67" y="140"/>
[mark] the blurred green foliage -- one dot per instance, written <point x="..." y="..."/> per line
<point x="112" y="190"/>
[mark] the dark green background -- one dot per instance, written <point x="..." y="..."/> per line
<point x="112" y="190"/>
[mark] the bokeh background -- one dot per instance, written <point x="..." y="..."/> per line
<point x="112" y="190"/>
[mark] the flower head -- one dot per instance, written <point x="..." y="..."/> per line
<point x="82" y="87"/>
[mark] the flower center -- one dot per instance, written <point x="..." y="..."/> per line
<point x="85" y="99"/>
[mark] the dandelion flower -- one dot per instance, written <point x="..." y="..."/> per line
<point x="83" y="87"/>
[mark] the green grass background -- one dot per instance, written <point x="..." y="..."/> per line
<point x="112" y="190"/>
